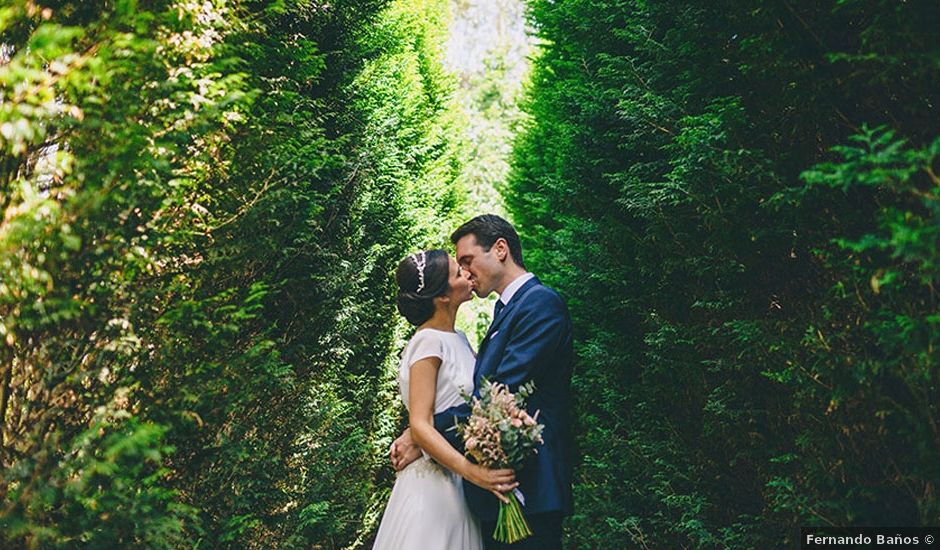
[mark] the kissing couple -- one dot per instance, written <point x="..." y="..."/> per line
<point x="441" y="500"/>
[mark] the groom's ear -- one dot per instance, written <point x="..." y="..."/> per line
<point x="501" y="247"/>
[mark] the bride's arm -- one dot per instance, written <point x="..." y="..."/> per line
<point x="421" y="392"/>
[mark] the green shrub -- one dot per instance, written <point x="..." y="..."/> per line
<point x="751" y="284"/>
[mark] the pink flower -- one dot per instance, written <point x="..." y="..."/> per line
<point x="516" y="423"/>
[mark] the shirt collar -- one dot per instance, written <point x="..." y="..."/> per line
<point x="513" y="287"/>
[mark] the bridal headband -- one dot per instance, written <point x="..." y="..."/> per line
<point x="420" y="260"/>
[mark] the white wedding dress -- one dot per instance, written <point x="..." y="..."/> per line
<point x="427" y="510"/>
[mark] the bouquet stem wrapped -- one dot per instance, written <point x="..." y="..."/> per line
<point x="511" y="525"/>
<point x="501" y="434"/>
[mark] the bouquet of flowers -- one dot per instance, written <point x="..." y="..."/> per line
<point x="501" y="434"/>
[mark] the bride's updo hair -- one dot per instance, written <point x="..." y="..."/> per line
<point x="416" y="302"/>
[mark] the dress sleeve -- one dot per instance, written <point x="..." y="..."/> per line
<point x="425" y="345"/>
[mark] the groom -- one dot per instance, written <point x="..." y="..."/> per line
<point x="529" y="340"/>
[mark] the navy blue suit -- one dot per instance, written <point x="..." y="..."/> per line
<point x="530" y="340"/>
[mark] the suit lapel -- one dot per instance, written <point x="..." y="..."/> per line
<point x="498" y="321"/>
<point x="512" y="302"/>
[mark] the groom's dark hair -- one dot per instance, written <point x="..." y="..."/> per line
<point x="487" y="229"/>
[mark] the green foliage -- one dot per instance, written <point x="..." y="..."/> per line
<point x="491" y="87"/>
<point x="109" y="492"/>
<point x="97" y="181"/>
<point x="203" y="203"/>
<point x="765" y="263"/>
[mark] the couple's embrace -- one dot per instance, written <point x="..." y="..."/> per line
<point x="442" y="500"/>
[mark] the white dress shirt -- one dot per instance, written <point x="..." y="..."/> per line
<point x="512" y="287"/>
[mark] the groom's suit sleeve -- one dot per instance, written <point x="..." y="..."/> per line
<point x="538" y="330"/>
<point x="444" y="422"/>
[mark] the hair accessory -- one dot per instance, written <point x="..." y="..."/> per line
<point x="420" y="262"/>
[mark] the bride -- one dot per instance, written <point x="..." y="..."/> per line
<point x="427" y="508"/>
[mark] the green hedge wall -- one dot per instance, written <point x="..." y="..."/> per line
<point x="740" y="203"/>
<point x="202" y="202"/>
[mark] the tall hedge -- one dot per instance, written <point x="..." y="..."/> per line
<point x="202" y="202"/>
<point x="740" y="202"/>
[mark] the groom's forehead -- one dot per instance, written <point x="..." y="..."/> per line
<point x="466" y="247"/>
<point x="467" y="242"/>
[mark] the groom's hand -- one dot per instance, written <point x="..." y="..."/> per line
<point x="404" y="451"/>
